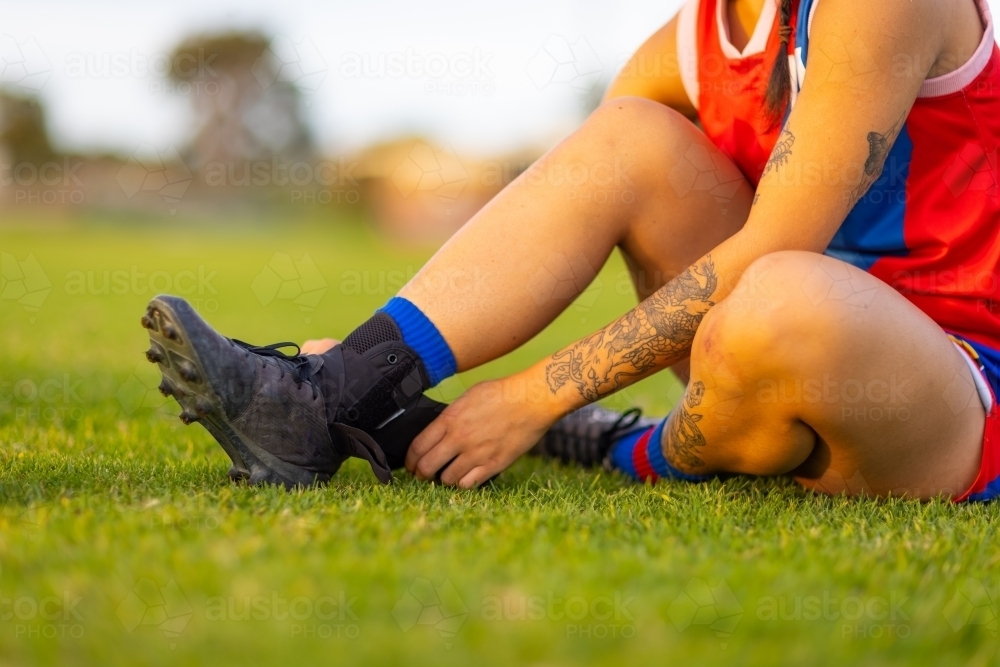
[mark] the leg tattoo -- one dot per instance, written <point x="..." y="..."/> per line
<point x="684" y="438"/>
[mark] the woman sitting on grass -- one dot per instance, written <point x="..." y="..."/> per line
<point x="817" y="259"/>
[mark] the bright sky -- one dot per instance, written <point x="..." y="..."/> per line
<point x="494" y="81"/>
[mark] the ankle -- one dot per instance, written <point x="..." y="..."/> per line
<point x="423" y="336"/>
<point x="640" y="456"/>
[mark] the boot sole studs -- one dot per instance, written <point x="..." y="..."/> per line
<point x="188" y="371"/>
<point x="167" y="387"/>
<point x="155" y="354"/>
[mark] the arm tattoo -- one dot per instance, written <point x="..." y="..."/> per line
<point x="879" y="146"/>
<point x="684" y="438"/>
<point x="657" y="333"/>
<point x="782" y="151"/>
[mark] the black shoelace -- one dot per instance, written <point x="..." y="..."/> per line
<point x="297" y="364"/>
<point x="624" y="422"/>
<point x="355" y="441"/>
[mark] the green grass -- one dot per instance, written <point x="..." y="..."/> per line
<point x="106" y="500"/>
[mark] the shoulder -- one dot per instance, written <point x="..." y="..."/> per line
<point x="897" y="18"/>
<point x="873" y="34"/>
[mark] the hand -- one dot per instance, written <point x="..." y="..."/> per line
<point x="484" y="431"/>
<point x="318" y="346"/>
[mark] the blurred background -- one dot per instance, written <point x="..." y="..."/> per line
<point x="287" y="167"/>
<point x="409" y="114"/>
<point x="415" y="113"/>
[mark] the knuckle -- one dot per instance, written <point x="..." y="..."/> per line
<point x="425" y="468"/>
<point x="417" y="448"/>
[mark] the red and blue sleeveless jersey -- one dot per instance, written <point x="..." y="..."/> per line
<point x="930" y="225"/>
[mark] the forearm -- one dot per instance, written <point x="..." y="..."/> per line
<point x="654" y="335"/>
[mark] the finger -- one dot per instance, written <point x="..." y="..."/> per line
<point x="431" y="463"/>
<point x="423" y="443"/>
<point x="475" y="477"/>
<point x="311" y="347"/>
<point x="319" y="346"/>
<point x="458" y="469"/>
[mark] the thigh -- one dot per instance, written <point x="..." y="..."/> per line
<point x="636" y="175"/>
<point x="707" y="198"/>
<point x="702" y="199"/>
<point x="815" y="368"/>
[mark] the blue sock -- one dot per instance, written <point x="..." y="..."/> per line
<point x="640" y="456"/>
<point x="621" y="452"/>
<point x="425" y="339"/>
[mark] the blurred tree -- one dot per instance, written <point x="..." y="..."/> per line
<point x="23" y="137"/>
<point x="244" y="108"/>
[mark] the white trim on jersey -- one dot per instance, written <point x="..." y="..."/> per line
<point x="978" y="378"/>
<point x="793" y="75"/>
<point x="687" y="50"/>
<point x="958" y="80"/>
<point x="953" y="82"/>
<point x="761" y="32"/>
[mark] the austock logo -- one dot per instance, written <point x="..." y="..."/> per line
<point x="24" y="509"/>
<point x="150" y="605"/>
<point x="436" y="606"/>
<point x="43" y="617"/>
<point x="868" y="617"/>
<point x="425" y="169"/>
<point x="562" y="278"/>
<point x="712" y="607"/>
<point x="151" y="170"/>
<point x="601" y="617"/>
<point x="23" y="281"/>
<point x="851" y="65"/>
<point x="837" y="281"/>
<point x="285" y="279"/>
<point x="559" y="61"/>
<point x="47" y="399"/>
<point x="974" y="604"/>
<point x="290" y="61"/>
<point x="460" y="73"/>
<point x="704" y="170"/>
<point x="23" y="65"/>
<point x="140" y="390"/>
<point x="324" y="617"/>
<point x="974" y="169"/>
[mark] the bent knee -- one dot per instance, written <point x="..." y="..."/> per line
<point x="801" y="292"/>
<point x="637" y="113"/>
<point x="786" y="305"/>
<point x="652" y="143"/>
<point x="644" y="129"/>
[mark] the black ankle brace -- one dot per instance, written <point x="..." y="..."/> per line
<point x="380" y="328"/>
<point x="372" y="376"/>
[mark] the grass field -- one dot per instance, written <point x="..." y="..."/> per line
<point x="123" y="542"/>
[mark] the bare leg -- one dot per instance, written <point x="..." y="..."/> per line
<point x="637" y="175"/>
<point x="815" y="368"/>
